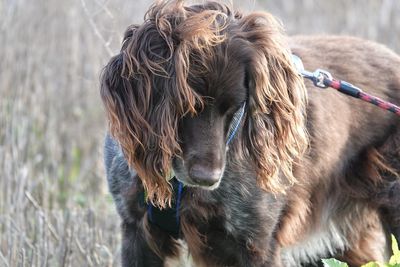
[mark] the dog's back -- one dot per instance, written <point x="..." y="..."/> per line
<point x="352" y="164"/>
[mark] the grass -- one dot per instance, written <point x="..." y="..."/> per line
<point x="54" y="205"/>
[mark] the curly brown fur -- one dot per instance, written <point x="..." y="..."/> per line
<point x="301" y="180"/>
<point x="173" y="49"/>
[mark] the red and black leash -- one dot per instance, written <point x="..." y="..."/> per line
<point x="324" y="79"/>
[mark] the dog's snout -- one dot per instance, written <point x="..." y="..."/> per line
<point x="204" y="176"/>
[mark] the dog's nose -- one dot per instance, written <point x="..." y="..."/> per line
<point x="203" y="175"/>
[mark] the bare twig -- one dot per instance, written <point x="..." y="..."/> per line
<point x="4" y="259"/>
<point x="23" y="257"/>
<point x="42" y="214"/>
<point x="107" y="252"/>
<point x="104" y="8"/>
<point x="96" y="29"/>
<point x="80" y="248"/>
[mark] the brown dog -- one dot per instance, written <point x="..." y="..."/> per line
<point x="309" y="174"/>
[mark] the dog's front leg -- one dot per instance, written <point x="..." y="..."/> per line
<point x="389" y="200"/>
<point x="135" y="251"/>
<point x="226" y="250"/>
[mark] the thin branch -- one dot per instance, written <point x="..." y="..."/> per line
<point x="4" y="259"/>
<point x="96" y="29"/>
<point x="104" y="8"/>
<point x="43" y="215"/>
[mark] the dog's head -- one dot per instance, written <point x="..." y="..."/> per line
<point x="180" y="80"/>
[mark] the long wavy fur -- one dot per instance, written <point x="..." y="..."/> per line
<point x="146" y="91"/>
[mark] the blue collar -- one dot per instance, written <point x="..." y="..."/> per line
<point x="169" y="219"/>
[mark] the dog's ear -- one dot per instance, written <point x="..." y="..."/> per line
<point x="275" y="130"/>
<point x="141" y="117"/>
<point x="126" y="102"/>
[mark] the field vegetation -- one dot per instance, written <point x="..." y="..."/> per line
<point x="54" y="206"/>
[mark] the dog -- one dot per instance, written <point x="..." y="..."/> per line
<point x="308" y="173"/>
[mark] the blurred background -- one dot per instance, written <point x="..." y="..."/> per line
<point x="54" y="206"/>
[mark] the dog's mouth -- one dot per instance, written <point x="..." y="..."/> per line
<point x="206" y="187"/>
<point x="206" y="183"/>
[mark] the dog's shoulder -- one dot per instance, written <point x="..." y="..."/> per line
<point x="121" y="179"/>
<point x="119" y="175"/>
<point x="111" y="150"/>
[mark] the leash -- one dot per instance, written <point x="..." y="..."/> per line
<point x="323" y="79"/>
<point x="168" y="219"/>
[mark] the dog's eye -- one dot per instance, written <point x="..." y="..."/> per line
<point x="223" y="107"/>
<point x="229" y="107"/>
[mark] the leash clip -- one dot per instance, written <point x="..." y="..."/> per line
<point x="319" y="77"/>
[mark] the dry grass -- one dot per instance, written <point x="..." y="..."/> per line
<point x="54" y="206"/>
